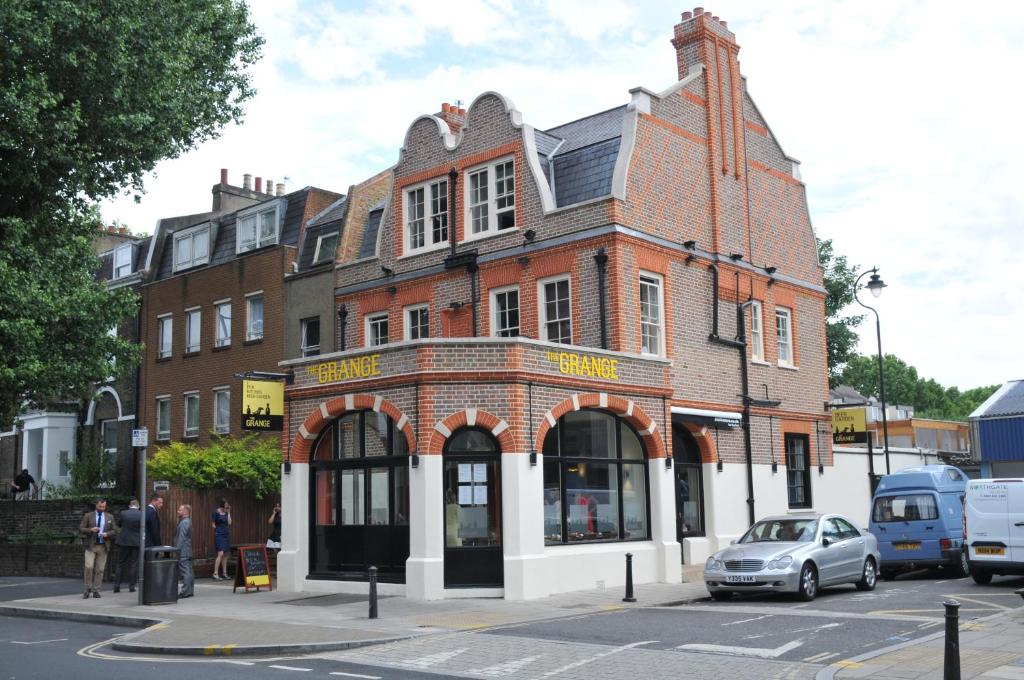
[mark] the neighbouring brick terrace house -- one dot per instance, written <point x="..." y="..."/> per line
<point x="212" y="305"/>
<point x="556" y="347"/>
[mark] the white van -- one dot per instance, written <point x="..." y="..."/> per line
<point x="994" y="527"/>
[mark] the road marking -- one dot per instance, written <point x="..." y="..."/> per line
<point x="210" y="649"/>
<point x="356" y="675"/>
<point x="756" y="618"/>
<point x="584" y="662"/>
<point x="506" y="668"/>
<point x="240" y="663"/>
<point x="37" y="642"/>
<point x="929" y="624"/>
<point x="982" y="602"/>
<point x="813" y="628"/>
<point x="847" y="663"/>
<point x="430" y="660"/>
<point x="227" y="649"/>
<point x="818" y="658"/>
<point x="289" y="668"/>
<point x="757" y="652"/>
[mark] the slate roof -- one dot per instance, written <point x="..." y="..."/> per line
<point x="598" y="127"/>
<point x="327" y="222"/>
<point x="335" y="211"/>
<point x="585" y="152"/>
<point x="1008" y="400"/>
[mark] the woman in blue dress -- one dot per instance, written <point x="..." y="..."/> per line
<point x="220" y="521"/>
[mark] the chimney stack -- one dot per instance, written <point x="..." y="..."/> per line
<point x="270" y="187"/>
<point x="453" y="115"/>
<point x="247" y="182"/>
<point x="280" y="189"/>
<point x="259" y="184"/>
<point x="223" y="175"/>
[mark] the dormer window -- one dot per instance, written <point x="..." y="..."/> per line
<point x="490" y="198"/>
<point x="259" y="227"/>
<point x="123" y="260"/>
<point x="326" y="247"/>
<point x="191" y="247"/>
<point x="426" y="216"/>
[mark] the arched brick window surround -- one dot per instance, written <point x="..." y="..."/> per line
<point x="329" y="410"/>
<point x="623" y="408"/>
<point x="471" y="417"/>
<point x="705" y="442"/>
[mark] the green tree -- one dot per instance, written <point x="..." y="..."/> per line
<point x="93" y="93"/>
<point x="250" y="463"/>
<point x="840" y="336"/>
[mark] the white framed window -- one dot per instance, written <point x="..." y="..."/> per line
<point x="108" y="432"/>
<point x="221" y="410"/>
<point x="784" y="335"/>
<point x="254" y="316"/>
<point x="191" y="247"/>
<point x="112" y="333"/>
<point x="310" y="329"/>
<point x="505" y="312"/>
<point x="193" y="326"/>
<point x="554" y="309"/>
<point x="417" y="322"/>
<point x="259" y="226"/>
<point x="163" y="418"/>
<point x="63" y="463"/>
<point x="222" y="318"/>
<point x="756" y="332"/>
<point x="376" y="329"/>
<point x="123" y="260"/>
<point x="652" y="314"/>
<point x="326" y="248"/>
<point x="192" y="414"/>
<point x="165" y="325"/>
<point x="490" y="199"/>
<point x="426" y="216"/>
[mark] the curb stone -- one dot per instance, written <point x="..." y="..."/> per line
<point x="251" y="650"/>
<point x="81" y="617"/>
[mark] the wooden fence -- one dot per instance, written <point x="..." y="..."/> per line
<point x="248" y="517"/>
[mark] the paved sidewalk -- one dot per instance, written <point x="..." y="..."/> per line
<point x="218" y="622"/>
<point x="992" y="647"/>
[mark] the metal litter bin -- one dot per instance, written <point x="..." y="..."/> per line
<point x="160" y="585"/>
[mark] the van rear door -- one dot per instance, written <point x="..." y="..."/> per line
<point x="909" y="526"/>
<point x="1015" y="517"/>
<point x="987" y="526"/>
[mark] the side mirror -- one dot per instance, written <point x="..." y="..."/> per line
<point x="732" y="542"/>
<point x="826" y="542"/>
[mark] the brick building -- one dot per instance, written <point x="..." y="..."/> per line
<point x="555" y="347"/>
<point x="212" y="305"/>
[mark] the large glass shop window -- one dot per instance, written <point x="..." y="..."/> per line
<point x="360" y="497"/>
<point x="595" y="480"/>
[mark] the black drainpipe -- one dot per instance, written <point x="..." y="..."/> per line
<point x="342" y="316"/>
<point x="601" y="258"/>
<point x="740" y="344"/>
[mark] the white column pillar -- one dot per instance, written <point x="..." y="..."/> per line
<point x="663" y="521"/>
<point x="293" y="559"/>
<point x="522" y="511"/>
<point x="424" y="570"/>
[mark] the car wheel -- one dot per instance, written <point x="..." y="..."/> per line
<point x="981" y="577"/>
<point x="962" y="567"/>
<point x="721" y="595"/>
<point x="808" y="583"/>
<point x="867" y="576"/>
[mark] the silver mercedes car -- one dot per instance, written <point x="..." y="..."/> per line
<point x="796" y="553"/>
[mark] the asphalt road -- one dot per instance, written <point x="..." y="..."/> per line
<point x="42" y="649"/>
<point x="19" y="587"/>
<point x="841" y="623"/>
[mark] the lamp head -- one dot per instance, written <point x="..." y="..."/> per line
<point x="529" y="235"/>
<point x="875" y="285"/>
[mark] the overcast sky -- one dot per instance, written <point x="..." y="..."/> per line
<point x="904" y="115"/>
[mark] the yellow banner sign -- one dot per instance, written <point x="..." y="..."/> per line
<point x="570" y="363"/>
<point x="262" y="405"/>
<point x="849" y="426"/>
<point x="355" y="368"/>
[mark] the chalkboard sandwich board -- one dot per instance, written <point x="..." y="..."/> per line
<point x="252" y="570"/>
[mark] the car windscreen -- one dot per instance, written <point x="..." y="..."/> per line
<point x="781" y="530"/>
<point x="905" y="508"/>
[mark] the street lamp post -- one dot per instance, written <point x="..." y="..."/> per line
<point x="875" y="285"/>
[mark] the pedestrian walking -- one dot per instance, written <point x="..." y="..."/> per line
<point x="221" y="523"/>
<point x="97" y="529"/>
<point x="128" y="527"/>
<point x="274" y="542"/>
<point x="23" y="486"/>
<point x="183" y="542"/>
<point x="156" y="501"/>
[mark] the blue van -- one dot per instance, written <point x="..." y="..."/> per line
<point x="917" y="517"/>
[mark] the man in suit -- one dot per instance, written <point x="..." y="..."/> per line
<point x="98" y="530"/>
<point x="183" y="542"/>
<point x="156" y="502"/>
<point x="128" y="546"/>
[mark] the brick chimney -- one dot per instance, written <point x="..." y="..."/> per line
<point x="453" y="115"/>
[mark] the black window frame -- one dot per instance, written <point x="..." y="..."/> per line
<point x="804" y="473"/>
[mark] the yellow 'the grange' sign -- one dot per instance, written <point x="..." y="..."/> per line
<point x="570" y="363"/>
<point x="366" y="366"/>
<point x="262" y="405"/>
<point x="849" y="426"/>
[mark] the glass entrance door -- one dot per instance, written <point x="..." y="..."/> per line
<point x="473" y="554"/>
<point x="689" y="485"/>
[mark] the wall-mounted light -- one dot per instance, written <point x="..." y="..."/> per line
<point x="414" y="459"/>
<point x="388" y="271"/>
<point x="287" y="467"/>
<point x="533" y="459"/>
<point x="529" y="235"/>
<point x="689" y="245"/>
<point x="690" y="258"/>
<point x="771" y="270"/>
<point x="523" y="261"/>
<point x="821" y="468"/>
<point x="718" y="465"/>
<point x="668" y="462"/>
<point x="736" y="257"/>
<point x="392" y="290"/>
<point x="775" y="466"/>
<point x="456" y="305"/>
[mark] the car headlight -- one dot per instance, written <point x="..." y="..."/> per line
<point x="781" y="562"/>
<point x="713" y="564"/>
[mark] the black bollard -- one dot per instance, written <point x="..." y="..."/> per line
<point x="951" y="663"/>
<point x="629" y="579"/>
<point x="373" y="592"/>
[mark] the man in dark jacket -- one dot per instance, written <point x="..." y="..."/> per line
<point x="128" y="546"/>
<point x="156" y="501"/>
<point x="183" y="542"/>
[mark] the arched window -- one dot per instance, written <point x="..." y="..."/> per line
<point x="360" y="490"/>
<point x="595" y="480"/>
<point x="472" y="510"/>
<point x="689" y="484"/>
